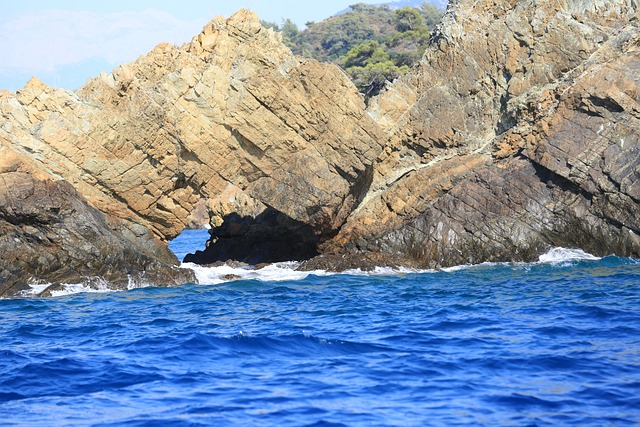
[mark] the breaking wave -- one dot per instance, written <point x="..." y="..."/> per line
<point x="287" y="271"/>
<point x="544" y="343"/>
<point x="558" y="255"/>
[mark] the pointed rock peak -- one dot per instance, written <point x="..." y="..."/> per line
<point x="245" y="19"/>
<point x="216" y="24"/>
<point x="242" y="25"/>
<point x="242" y="18"/>
<point x="36" y="84"/>
<point x="208" y="37"/>
<point x="244" y="14"/>
<point x="31" y="90"/>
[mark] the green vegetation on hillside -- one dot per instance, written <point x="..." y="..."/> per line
<point x="373" y="44"/>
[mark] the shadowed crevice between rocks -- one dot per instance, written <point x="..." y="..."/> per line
<point x="269" y="237"/>
<point x="552" y="178"/>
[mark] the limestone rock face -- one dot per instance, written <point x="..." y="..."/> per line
<point x="517" y="132"/>
<point x="50" y="235"/>
<point x="158" y="142"/>
<point x="153" y="139"/>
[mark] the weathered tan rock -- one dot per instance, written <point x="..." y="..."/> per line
<point x="517" y="132"/>
<point x="50" y="235"/>
<point x="159" y="142"/>
<point x="154" y="138"/>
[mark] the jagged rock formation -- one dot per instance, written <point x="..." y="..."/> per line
<point x="158" y="139"/>
<point x="181" y="123"/>
<point x="49" y="234"/>
<point x="517" y="132"/>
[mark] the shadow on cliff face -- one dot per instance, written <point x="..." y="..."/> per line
<point x="269" y="237"/>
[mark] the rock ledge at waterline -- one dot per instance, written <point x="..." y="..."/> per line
<point x="517" y="132"/>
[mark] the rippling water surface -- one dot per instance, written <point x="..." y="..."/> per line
<point x="555" y="343"/>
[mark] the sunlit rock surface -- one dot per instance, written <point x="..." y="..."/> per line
<point x="518" y="131"/>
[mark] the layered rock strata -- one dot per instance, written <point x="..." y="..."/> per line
<point x="180" y="124"/>
<point x="159" y="141"/>
<point x="517" y="132"/>
<point x="49" y="235"/>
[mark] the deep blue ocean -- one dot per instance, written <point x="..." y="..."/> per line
<point x="551" y="343"/>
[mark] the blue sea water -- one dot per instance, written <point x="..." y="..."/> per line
<point x="542" y="344"/>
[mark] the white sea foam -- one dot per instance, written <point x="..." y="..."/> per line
<point x="280" y="271"/>
<point x="385" y="271"/>
<point x="559" y="255"/>
<point x="92" y="285"/>
<point x="77" y="288"/>
<point x="556" y="256"/>
<point x="64" y="289"/>
<point x="284" y="271"/>
<point x="455" y="268"/>
<point x="277" y="272"/>
<point x="36" y="289"/>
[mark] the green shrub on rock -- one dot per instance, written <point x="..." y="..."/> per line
<point x="373" y="44"/>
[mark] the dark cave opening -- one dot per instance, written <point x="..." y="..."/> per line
<point x="269" y="237"/>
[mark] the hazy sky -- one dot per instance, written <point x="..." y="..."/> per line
<point x="64" y="42"/>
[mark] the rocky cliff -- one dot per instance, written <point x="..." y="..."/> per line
<point x="231" y="124"/>
<point x="517" y="132"/>
<point x="50" y="235"/>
